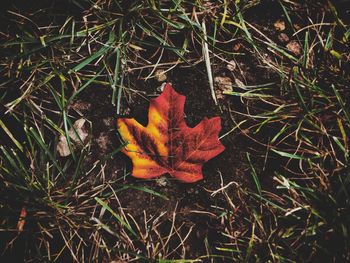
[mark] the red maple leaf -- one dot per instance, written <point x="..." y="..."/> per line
<point x="167" y="144"/>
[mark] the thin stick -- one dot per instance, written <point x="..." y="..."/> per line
<point x="207" y="63"/>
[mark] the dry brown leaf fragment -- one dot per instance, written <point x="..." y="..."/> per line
<point x="223" y="84"/>
<point x="294" y="47"/>
<point x="78" y="134"/>
<point x="237" y="47"/>
<point x="283" y="38"/>
<point x="279" y="25"/>
<point x="80" y="106"/>
<point x="160" y="75"/>
<point x="231" y="66"/>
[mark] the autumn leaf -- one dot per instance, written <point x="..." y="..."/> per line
<point x="167" y="144"/>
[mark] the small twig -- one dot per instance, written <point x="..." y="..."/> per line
<point x="207" y="63"/>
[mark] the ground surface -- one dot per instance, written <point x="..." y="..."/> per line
<point x="278" y="193"/>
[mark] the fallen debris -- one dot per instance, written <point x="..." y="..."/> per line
<point x="223" y="84"/>
<point x="160" y="75"/>
<point x="78" y="134"/>
<point x="231" y="66"/>
<point x="294" y="47"/>
<point x="279" y="25"/>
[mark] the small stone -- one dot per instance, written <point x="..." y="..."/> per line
<point x="162" y="181"/>
<point x="283" y="38"/>
<point x="279" y="25"/>
<point x="231" y="66"/>
<point x="294" y="47"/>
<point x="160" y="75"/>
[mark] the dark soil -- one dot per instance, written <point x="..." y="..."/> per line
<point x="193" y="204"/>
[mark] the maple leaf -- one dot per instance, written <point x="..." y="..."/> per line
<point x="167" y="144"/>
